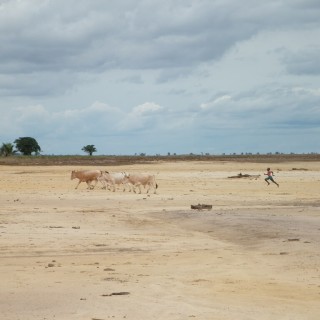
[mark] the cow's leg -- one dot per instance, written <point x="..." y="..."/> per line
<point x="134" y="187"/>
<point x="130" y="186"/>
<point x="110" y="186"/>
<point x="95" y="183"/>
<point x="103" y="184"/>
<point x="90" y="186"/>
<point x="78" y="184"/>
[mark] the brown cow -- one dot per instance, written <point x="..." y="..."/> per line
<point x="86" y="176"/>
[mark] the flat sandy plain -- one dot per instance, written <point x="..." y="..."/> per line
<point x="97" y="255"/>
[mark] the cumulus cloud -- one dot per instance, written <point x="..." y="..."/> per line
<point x="117" y="72"/>
<point x="216" y="102"/>
<point x="141" y="117"/>
<point x="145" y="108"/>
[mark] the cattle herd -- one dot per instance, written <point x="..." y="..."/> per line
<point x="110" y="180"/>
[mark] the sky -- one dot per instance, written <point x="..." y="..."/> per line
<point x="159" y="77"/>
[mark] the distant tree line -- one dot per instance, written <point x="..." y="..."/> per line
<point x="28" y="146"/>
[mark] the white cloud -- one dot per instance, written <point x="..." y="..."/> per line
<point x="142" y="117"/>
<point x="113" y="73"/>
<point x="216" y="102"/>
<point x="146" y="108"/>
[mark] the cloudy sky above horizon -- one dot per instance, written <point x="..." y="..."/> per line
<point x="150" y="76"/>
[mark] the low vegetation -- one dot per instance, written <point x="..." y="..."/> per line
<point x="112" y="160"/>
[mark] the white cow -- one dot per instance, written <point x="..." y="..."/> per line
<point x="86" y="176"/>
<point x="142" y="179"/>
<point x="114" y="178"/>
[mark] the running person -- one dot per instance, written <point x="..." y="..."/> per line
<point x="269" y="175"/>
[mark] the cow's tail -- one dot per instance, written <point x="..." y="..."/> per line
<point x="154" y="179"/>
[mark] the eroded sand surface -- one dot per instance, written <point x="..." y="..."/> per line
<point x="95" y="254"/>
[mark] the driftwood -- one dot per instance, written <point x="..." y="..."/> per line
<point x="122" y="293"/>
<point x="240" y="175"/>
<point x="201" y="206"/>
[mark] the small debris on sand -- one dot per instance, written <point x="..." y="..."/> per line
<point x="201" y="206"/>
<point x="240" y="175"/>
<point x="123" y="293"/>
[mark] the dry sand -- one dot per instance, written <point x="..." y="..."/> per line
<point x="95" y="254"/>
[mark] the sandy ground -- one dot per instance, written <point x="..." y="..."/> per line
<point x="97" y="255"/>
